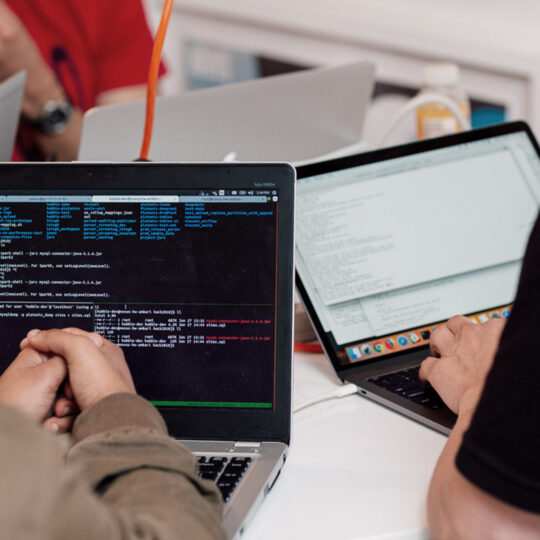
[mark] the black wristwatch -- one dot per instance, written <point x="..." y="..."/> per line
<point x="53" y="119"/>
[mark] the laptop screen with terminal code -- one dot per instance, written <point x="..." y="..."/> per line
<point x="183" y="280"/>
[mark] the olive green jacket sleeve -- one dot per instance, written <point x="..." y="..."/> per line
<point x="121" y="478"/>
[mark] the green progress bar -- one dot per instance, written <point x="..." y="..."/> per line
<point x="236" y="404"/>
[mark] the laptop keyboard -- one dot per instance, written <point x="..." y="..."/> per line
<point x="225" y="471"/>
<point x="407" y="383"/>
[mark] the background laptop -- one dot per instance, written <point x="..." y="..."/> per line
<point x="290" y="117"/>
<point x="392" y="243"/>
<point x="11" y="94"/>
<point x="189" y="268"/>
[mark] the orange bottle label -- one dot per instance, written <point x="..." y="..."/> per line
<point x="435" y="120"/>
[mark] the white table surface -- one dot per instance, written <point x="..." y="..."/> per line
<point x="355" y="469"/>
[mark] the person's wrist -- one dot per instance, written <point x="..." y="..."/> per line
<point x="117" y="389"/>
<point x="117" y="411"/>
<point x="39" y="92"/>
<point x="469" y="401"/>
<point x="107" y="386"/>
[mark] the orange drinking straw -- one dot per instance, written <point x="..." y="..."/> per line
<point x="153" y="78"/>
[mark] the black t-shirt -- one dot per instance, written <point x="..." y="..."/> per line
<point x="501" y="450"/>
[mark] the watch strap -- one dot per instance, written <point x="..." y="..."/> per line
<point x="53" y="119"/>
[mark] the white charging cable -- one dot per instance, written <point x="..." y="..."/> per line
<point x="341" y="391"/>
<point x="411" y="105"/>
<point x="423" y="99"/>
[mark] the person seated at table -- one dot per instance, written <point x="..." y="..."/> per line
<point x="487" y="481"/>
<point x="118" y="477"/>
<point x="77" y="54"/>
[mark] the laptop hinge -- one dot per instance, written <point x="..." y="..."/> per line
<point x="242" y="444"/>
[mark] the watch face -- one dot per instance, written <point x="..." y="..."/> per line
<point x="55" y="116"/>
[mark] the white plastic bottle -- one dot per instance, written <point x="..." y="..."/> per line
<point x="433" y="119"/>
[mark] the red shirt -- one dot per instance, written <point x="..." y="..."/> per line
<point x="91" y="45"/>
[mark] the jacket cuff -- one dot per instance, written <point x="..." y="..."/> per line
<point x="117" y="411"/>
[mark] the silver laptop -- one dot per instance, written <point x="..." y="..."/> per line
<point x="11" y="94"/>
<point x="290" y="117"/>
<point x="189" y="268"/>
<point x="392" y="243"/>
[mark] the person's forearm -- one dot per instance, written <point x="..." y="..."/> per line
<point x="128" y="483"/>
<point x="457" y="509"/>
<point x="60" y="147"/>
<point x="122" y="451"/>
<point x="446" y="484"/>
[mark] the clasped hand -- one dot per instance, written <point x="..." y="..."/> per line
<point x="61" y="372"/>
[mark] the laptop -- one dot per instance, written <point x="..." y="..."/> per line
<point x="11" y="94"/>
<point x="292" y="117"/>
<point x="390" y="244"/>
<point x="189" y="268"/>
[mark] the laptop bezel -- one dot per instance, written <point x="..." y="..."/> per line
<point x="385" y="154"/>
<point x="196" y="423"/>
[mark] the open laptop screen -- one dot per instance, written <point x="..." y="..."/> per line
<point x="185" y="281"/>
<point x="389" y="249"/>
